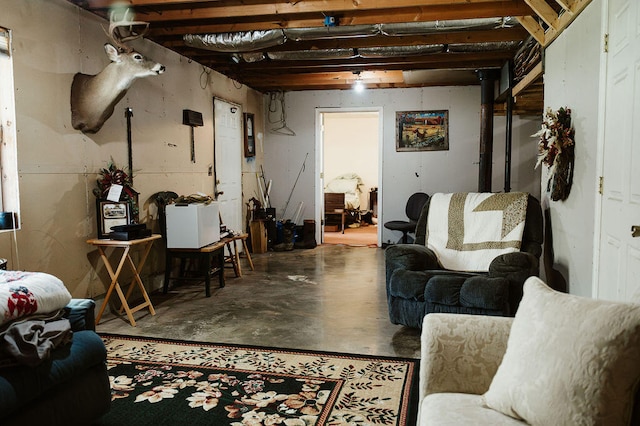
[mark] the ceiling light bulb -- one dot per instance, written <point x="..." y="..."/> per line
<point x="358" y="86"/>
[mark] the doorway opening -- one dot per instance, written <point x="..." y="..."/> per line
<point x="349" y="156"/>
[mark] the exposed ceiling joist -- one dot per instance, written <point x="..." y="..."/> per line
<point x="555" y="19"/>
<point x="397" y="62"/>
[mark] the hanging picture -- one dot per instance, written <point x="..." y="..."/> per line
<point x="422" y="130"/>
<point x="249" y="139"/>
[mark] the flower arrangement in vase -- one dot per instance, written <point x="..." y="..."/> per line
<point x="113" y="175"/>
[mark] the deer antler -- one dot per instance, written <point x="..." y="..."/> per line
<point x="125" y="29"/>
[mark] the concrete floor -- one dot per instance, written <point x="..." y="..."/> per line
<point x="330" y="298"/>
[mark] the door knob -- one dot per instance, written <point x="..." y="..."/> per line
<point x="635" y="231"/>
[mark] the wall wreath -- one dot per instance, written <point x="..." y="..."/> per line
<point x="556" y="149"/>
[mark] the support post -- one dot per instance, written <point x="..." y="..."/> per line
<point x="508" y="143"/>
<point x="509" y="131"/>
<point x="487" y="87"/>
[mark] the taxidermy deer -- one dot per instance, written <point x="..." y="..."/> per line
<point x="93" y="97"/>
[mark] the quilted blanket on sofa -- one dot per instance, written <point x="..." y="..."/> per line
<point x="468" y="230"/>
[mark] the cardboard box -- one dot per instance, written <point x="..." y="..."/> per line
<point x="192" y="225"/>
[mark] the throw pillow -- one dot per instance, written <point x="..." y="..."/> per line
<point x="570" y="360"/>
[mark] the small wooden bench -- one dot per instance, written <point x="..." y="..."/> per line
<point x="234" y="255"/>
<point x="205" y="257"/>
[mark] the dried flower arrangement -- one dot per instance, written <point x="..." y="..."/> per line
<point x="556" y="149"/>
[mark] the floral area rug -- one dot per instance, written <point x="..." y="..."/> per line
<point x="168" y="382"/>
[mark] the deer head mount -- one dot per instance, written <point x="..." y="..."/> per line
<point x="93" y="97"/>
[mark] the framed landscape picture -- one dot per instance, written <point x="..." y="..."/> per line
<point x="422" y="130"/>
<point x="110" y="214"/>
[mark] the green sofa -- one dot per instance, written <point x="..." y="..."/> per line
<point x="70" y="388"/>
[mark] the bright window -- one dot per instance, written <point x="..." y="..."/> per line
<point x="9" y="194"/>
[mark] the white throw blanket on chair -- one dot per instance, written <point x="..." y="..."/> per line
<point x="468" y="230"/>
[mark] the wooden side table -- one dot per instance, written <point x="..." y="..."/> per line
<point x="102" y="245"/>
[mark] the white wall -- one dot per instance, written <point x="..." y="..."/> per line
<point x="571" y="79"/>
<point x="403" y="173"/>
<point x="53" y="40"/>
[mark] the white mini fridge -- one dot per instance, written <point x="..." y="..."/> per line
<point x="192" y="225"/>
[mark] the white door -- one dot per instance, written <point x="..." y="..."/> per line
<point x="619" y="263"/>
<point x="228" y="152"/>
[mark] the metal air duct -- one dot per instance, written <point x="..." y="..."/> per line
<point x="248" y="41"/>
<point x="319" y="54"/>
<point x="245" y="41"/>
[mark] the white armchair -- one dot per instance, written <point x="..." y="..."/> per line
<point x="460" y="354"/>
<point x="562" y="360"/>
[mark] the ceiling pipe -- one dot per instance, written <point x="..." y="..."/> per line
<point x="376" y="52"/>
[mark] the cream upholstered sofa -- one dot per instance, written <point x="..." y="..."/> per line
<point x="563" y="360"/>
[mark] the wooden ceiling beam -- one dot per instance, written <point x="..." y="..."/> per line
<point x="346" y="77"/>
<point x="220" y="26"/>
<point x="338" y="84"/>
<point x="230" y="22"/>
<point x="571" y="9"/>
<point x="531" y="77"/>
<point x="545" y="12"/>
<point x="437" y="61"/>
<point x="533" y="27"/>
<point x="457" y="37"/>
<point x="567" y="5"/>
<point x="565" y="18"/>
<point x="186" y="10"/>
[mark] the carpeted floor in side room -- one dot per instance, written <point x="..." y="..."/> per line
<point x="364" y="236"/>
<point x="168" y="382"/>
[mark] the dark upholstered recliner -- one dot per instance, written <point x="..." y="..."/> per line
<point x="418" y="285"/>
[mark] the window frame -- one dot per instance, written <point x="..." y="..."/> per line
<point x="9" y="187"/>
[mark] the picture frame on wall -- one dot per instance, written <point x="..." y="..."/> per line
<point x="422" y="130"/>
<point x="249" y="138"/>
<point x="111" y="214"/>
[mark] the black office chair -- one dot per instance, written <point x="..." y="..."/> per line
<point x="413" y="210"/>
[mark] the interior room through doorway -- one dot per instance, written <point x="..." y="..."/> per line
<point x="350" y="168"/>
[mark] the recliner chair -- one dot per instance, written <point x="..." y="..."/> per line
<point x="417" y="284"/>
<point x="413" y="209"/>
